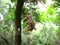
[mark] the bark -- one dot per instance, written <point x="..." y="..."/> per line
<point x="18" y="12"/>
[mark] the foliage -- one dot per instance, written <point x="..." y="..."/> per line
<point x="7" y="9"/>
<point x="46" y="16"/>
<point x="47" y="25"/>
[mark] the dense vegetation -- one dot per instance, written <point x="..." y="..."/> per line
<point x="46" y="16"/>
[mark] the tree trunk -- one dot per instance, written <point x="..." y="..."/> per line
<point x="18" y="12"/>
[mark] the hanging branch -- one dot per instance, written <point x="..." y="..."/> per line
<point x="7" y="42"/>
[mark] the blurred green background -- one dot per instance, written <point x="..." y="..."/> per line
<point x="46" y="15"/>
